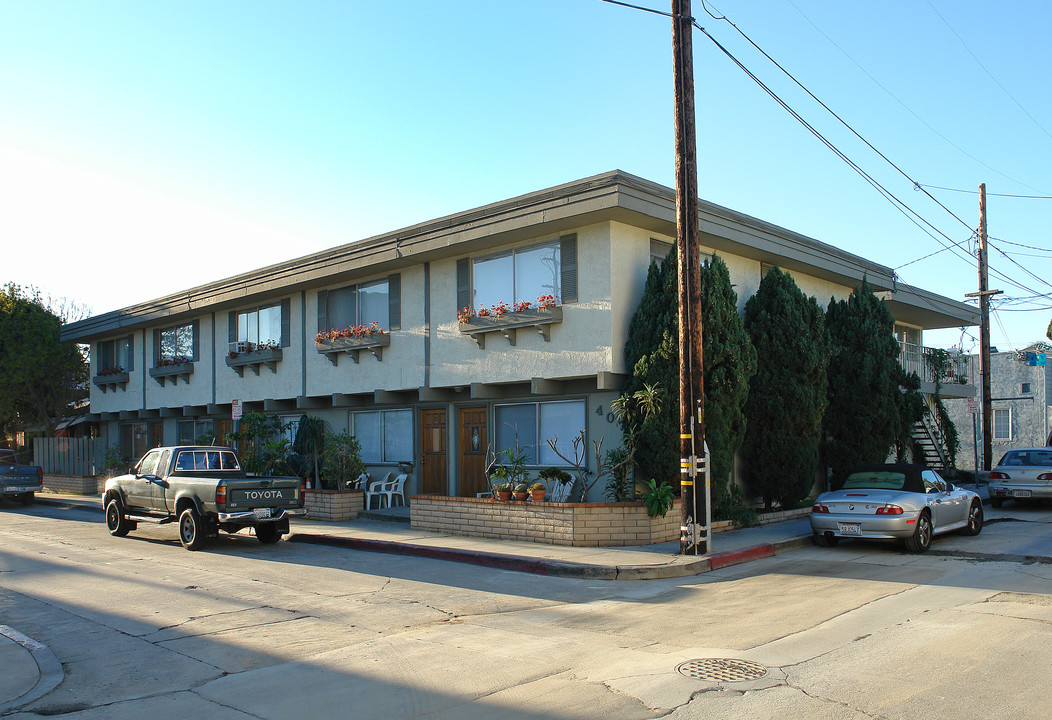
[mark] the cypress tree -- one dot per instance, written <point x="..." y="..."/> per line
<point x="652" y="351"/>
<point x="730" y="362"/>
<point x="863" y="418"/>
<point x="787" y="396"/>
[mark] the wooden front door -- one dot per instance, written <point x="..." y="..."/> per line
<point x="433" y="451"/>
<point x="473" y="447"/>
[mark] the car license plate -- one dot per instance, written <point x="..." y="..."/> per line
<point x="1020" y="493"/>
<point x="262" y="513"/>
<point x="849" y="528"/>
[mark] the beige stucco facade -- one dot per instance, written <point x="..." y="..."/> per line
<point x="431" y="365"/>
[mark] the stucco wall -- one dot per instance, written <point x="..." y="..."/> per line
<point x="582" y="341"/>
<point x="1030" y="411"/>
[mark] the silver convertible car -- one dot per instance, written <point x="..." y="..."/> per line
<point x="1023" y="474"/>
<point x="895" y="502"/>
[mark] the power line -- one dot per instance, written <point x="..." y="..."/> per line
<point x="989" y="194"/>
<point x="1028" y="247"/>
<point x="979" y="63"/>
<point x="896" y="99"/>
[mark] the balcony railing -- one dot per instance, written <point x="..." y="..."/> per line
<point x="918" y="359"/>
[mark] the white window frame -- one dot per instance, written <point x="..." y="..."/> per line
<point x="994" y="415"/>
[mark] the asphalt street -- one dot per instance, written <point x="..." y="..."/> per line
<point x="140" y="627"/>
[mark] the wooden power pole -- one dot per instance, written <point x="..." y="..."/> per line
<point x="692" y="427"/>
<point x="984" y="333"/>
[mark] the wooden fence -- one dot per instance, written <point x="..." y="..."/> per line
<point x="70" y="456"/>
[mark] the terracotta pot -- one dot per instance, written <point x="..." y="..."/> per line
<point x="521" y="496"/>
<point x="537" y="495"/>
<point x="503" y="495"/>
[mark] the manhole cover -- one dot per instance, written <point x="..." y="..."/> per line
<point x="721" y="670"/>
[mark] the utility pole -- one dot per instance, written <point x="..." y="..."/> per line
<point x="984" y="333"/>
<point x="692" y="427"/>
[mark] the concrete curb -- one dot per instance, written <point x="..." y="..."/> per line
<point x="49" y="669"/>
<point x="562" y="568"/>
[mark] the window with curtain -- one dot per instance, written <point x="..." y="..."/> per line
<point x="386" y="436"/>
<point x="532" y="425"/>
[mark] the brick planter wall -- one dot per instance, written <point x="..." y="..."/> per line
<point x="73" y="484"/>
<point x="579" y="524"/>
<point x="333" y="505"/>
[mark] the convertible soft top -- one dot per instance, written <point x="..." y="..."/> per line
<point x="895" y="476"/>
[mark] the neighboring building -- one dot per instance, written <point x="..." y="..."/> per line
<point x="431" y="389"/>
<point x="1020" y="404"/>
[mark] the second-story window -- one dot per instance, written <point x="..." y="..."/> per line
<point x="261" y="327"/>
<point x="376" y="301"/>
<point x="519" y="275"/>
<point x="114" y="356"/>
<point x="176" y="344"/>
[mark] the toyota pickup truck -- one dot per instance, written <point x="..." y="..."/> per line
<point x="19" y="481"/>
<point x="204" y="490"/>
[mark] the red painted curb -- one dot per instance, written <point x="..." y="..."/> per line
<point x="736" y="557"/>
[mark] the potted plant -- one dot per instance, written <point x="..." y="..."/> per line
<point x="520" y="492"/>
<point x="502" y="492"/>
<point x="555" y="481"/>
<point x="537" y="491"/>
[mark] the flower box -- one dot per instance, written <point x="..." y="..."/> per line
<point x="540" y="319"/>
<point x="111" y="381"/>
<point x="375" y="343"/>
<point x="254" y="360"/>
<point x="172" y="373"/>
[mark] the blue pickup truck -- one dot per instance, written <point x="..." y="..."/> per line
<point x="19" y="482"/>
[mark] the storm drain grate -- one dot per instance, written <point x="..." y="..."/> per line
<point x="721" y="670"/>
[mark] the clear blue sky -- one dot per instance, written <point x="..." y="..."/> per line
<point x="147" y="147"/>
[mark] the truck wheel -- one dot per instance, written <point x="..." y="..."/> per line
<point x="27" y="498"/>
<point x="268" y="533"/>
<point x="115" y="520"/>
<point x="191" y="529"/>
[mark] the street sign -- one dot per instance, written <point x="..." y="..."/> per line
<point x="973" y="407"/>
<point x="235" y="409"/>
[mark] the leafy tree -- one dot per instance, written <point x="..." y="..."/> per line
<point x="652" y="351"/>
<point x="787" y="396"/>
<point x="263" y="449"/>
<point x="41" y="377"/>
<point x="862" y="420"/>
<point x="1048" y="333"/>
<point x="343" y="458"/>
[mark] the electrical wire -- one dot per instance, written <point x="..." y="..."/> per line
<point x="900" y="102"/>
<point x="899" y="205"/>
<point x="1028" y="247"/>
<point x="977" y="62"/>
<point x="989" y="194"/>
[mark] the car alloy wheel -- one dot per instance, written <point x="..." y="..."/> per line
<point x="975" y="519"/>
<point x="920" y="541"/>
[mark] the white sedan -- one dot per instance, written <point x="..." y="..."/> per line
<point x="911" y="503"/>
<point x="1023" y="474"/>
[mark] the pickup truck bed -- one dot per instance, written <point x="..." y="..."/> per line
<point x="19" y="481"/>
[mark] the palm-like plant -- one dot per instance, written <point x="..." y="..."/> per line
<point x="310" y="441"/>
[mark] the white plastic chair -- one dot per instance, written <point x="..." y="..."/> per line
<point x="560" y="491"/>
<point x="359" y="483"/>
<point x="395" y="488"/>
<point x="377" y="489"/>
